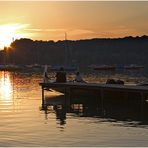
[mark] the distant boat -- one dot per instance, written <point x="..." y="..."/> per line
<point x="117" y="67"/>
<point x="133" y="67"/>
<point x="34" y="67"/>
<point x="66" y="68"/>
<point x="10" y="67"/>
<point x="103" y="67"/>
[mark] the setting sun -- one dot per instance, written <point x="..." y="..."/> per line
<point x="8" y="33"/>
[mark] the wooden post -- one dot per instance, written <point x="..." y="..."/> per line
<point x="70" y="91"/>
<point x="65" y="97"/>
<point x="102" y="102"/>
<point x="68" y="98"/>
<point x="142" y="105"/>
<point x="43" y="101"/>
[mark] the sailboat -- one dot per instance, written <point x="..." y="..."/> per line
<point x="68" y="66"/>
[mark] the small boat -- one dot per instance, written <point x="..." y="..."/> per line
<point x="104" y="67"/>
<point x="116" y="67"/>
<point x="10" y="67"/>
<point x="66" y="68"/>
<point x="133" y="67"/>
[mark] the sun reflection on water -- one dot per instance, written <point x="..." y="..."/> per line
<point x="6" y="89"/>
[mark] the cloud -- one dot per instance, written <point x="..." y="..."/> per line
<point x="80" y="32"/>
<point x="118" y="31"/>
<point x="34" y="30"/>
<point x="44" y="30"/>
<point x="14" y="26"/>
<point x="69" y="31"/>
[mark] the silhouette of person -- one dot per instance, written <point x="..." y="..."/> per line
<point x="61" y="76"/>
<point x="45" y="75"/>
<point x="78" y="78"/>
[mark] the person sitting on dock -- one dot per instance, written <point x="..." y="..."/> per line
<point x="61" y="76"/>
<point x="78" y="78"/>
<point x="45" y="75"/>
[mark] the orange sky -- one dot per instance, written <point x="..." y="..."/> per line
<point x="49" y="20"/>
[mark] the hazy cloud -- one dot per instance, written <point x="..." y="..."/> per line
<point x="44" y="30"/>
<point x="80" y="31"/>
<point x="118" y="31"/>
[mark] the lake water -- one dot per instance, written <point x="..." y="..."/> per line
<point x="23" y="123"/>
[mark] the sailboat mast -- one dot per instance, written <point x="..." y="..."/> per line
<point x="66" y="51"/>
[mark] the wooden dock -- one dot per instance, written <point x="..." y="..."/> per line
<point x="115" y="101"/>
<point x="101" y="89"/>
<point x="95" y="86"/>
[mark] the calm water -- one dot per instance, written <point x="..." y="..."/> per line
<point x="22" y="123"/>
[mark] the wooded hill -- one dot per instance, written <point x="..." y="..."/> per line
<point x="128" y="50"/>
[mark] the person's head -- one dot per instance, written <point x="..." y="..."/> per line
<point x="78" y="73"/>
<point x="61" y="69"/>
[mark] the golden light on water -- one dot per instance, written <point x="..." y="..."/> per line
<point x="6" y="89"/>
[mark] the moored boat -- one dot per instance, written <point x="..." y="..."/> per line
<point x="133" y="67"/>
<point x="104" y="67"/>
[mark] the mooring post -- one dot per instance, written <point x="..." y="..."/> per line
<point x="43" y="101"/>
<point x="67" y="98"/>
<point x="102" y="101"/>
<point x="142" y="104"/>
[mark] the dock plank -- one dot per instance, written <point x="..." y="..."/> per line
<point x="95" y="86"/>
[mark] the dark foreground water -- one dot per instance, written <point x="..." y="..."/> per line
<point x="23" y="123"/>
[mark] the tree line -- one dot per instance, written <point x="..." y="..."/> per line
<point x="128" y="50"/>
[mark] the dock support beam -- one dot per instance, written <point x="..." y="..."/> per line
<point x="102" y="102"/>
<point x="142" y="104"/>
<point x="43" y="101"/>
<point x="68" y="99"/>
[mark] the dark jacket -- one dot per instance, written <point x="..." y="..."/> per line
<point x="61" y="76"/>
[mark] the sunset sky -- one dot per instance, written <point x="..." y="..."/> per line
<point x="49" y="20"/>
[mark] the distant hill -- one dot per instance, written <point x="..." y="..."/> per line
<point x="128" y="50"/>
